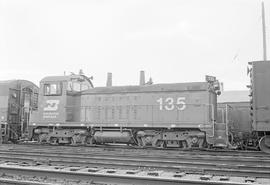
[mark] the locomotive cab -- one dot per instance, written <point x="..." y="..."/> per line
<point x="58" y="98"/>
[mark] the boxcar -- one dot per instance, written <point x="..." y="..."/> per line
<point x="234" y="110"/>
<point x="260" y="102"/>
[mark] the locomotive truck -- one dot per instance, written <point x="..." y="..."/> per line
<point x="72" y="111"/>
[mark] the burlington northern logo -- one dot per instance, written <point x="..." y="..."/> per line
<point x="51" y="105"/>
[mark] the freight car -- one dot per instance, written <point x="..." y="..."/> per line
<point x="72" y="111"/>
<point x="234" y="110"/>
<point x="249" y="122"/>
<point x="18" y="98"/>
<point x="260" y="103"/>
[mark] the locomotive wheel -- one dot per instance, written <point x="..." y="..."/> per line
<point x="43" y="138"/>
<point x="159" y="144"/>
<point x="139" y="141"/>
<point x="230" y="138"/>
<point x="184" y="144"/>
<point x="53" y="141"/>
<point x="89" y="141"/>
<point x="264" y="144"/>
<point x="73" y="141"/>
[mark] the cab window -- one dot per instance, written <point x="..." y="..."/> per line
<point x="85" y="87"/>
<point x="52" y="89"/>
<point x="75" y="86"/>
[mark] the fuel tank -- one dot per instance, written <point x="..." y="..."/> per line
<point x="113" y="137"/>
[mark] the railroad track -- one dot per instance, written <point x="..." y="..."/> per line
<point x="124" y="148"/>
<point x="80" y="175"/>
<point x="171" y="164"/>
<point x="187" y="157"/>
<point x="145" y="167"/>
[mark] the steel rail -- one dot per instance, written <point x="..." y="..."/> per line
<point x="135" y="163"/>
<point x="220" y="152"/>
<point x="199" y="156"/>
<point x="121" y="176"/>
<point x="252" y="161"/>
<point x="6" y="181"/>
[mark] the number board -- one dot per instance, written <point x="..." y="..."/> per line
<point x="170" y="103"/>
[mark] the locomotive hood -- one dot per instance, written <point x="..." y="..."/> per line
<point x="194" y="86"/>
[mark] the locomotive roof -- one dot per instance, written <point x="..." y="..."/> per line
<point x="56" y="78"/>
<point x="193" y="86"/>
<point x="15" y="84"/>
<point x="66" y="78"/>
<point x="7" y="82"/>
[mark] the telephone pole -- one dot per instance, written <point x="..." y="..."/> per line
<point x="264" y="34"/>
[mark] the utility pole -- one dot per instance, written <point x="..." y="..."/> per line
<point x="264" y="34"/>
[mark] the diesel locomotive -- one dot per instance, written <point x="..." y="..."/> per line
<point x="72" y="111"/>
<point x="18" y="99"/>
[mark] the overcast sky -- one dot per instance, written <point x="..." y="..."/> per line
<point x="173" y="41"/>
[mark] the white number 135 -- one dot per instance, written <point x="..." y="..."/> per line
<point x="170" y="104"/>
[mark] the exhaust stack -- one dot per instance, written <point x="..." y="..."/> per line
<point x="221" y="87"/>
<point x="142" y="78"/>
<point x="109" y="80"/>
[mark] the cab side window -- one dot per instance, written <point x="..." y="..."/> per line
<point x="75" y="86"/>
<point x="52" y="89"/>
<point x="85" y="86"/>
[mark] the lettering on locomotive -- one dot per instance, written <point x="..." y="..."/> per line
<point x="171" y="104"/>
<point x="50" y="115"/>
<point x="51" y="105"/>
